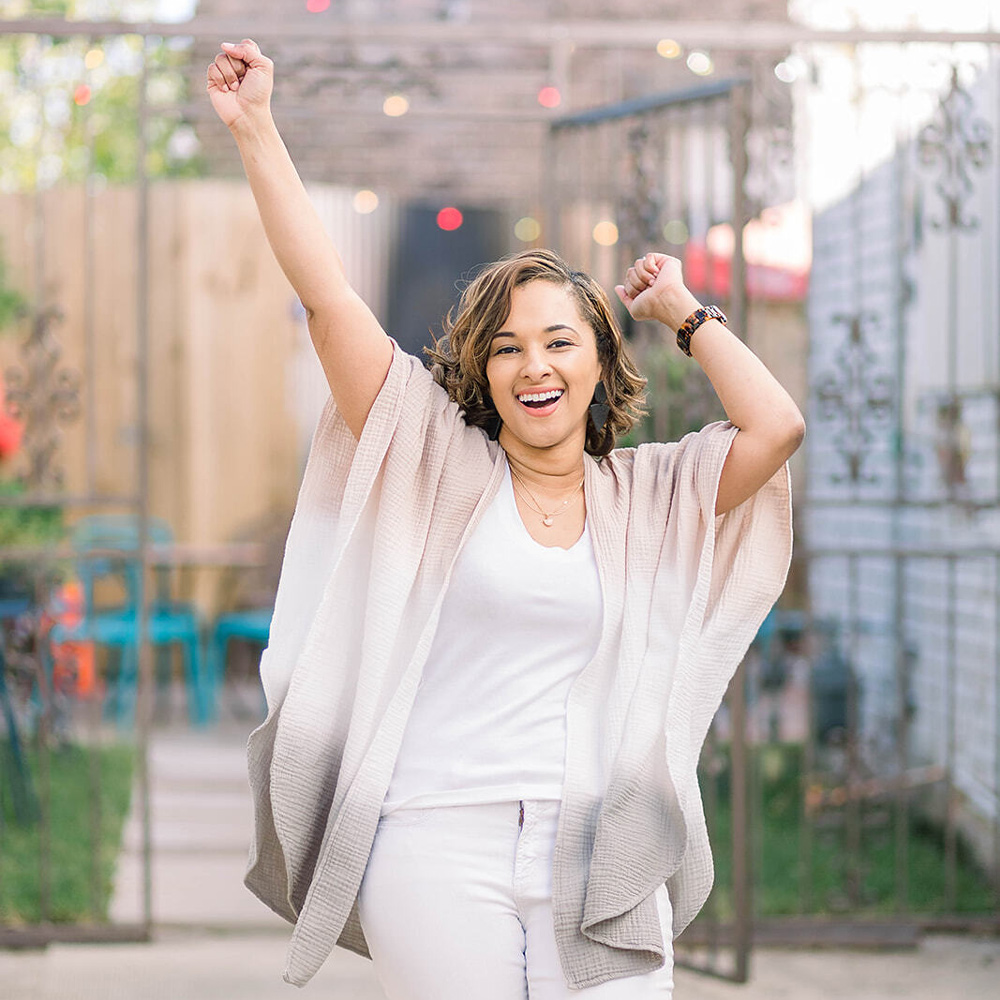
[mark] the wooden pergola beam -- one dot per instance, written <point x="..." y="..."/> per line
<point x="587" y="33"/>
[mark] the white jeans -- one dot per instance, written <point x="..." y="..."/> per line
<point x="456" y="905"/>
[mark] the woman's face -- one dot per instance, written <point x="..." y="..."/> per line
<point x="543" y="367"/>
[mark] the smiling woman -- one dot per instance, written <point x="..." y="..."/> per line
<point x="499" y="640"/>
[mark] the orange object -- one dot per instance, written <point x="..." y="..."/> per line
<point x="73" y="662"/>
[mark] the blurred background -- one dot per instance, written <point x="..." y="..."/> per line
<point x="827" y="172"/>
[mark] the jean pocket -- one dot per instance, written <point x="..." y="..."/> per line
<point x="406" y="819"/>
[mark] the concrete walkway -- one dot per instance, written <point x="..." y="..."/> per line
<point x="215" y="941"/>
<point x="201" y="966"/>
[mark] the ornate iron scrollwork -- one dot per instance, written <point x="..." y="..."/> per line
<point x="43" y="395"/>
<point x="770" y="140"/>
<point x="952" y="443"/>
<point x="642" y="204"/>
<point x="959" y="142"/>
<point x="855" y="395"/>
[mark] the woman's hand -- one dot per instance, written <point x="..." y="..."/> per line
<point x="240" y="82"/>
<point x="654" y="289"/>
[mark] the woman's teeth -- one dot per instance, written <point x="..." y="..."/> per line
<point x="540" y="398"/>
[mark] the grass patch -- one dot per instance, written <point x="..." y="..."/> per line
<point x="80" y="872"/>
<point x="789" y="880"/>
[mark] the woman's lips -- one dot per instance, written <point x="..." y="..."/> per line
<point x="540" y="411"/>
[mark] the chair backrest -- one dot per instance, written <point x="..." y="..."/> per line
<point x="114" y="531"/>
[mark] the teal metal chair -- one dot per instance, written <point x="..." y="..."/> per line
<point x="253" y="625"/>
<point x="168" y="622"/>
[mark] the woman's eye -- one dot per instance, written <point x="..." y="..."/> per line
<point x="561" y="343"/>
<point x="505" y="350"/>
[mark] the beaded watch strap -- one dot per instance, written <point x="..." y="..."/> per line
<point x="699" y="316"/>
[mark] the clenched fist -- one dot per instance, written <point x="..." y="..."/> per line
<point x="654" y="289"/>
<point x="240" y="81"/>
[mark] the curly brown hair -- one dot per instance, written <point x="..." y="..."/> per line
<point x="460" y="355"/>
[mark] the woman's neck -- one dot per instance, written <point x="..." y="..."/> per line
<point x="555" y="469"/>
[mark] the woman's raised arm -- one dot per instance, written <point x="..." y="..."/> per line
<point x="352" y="347"/>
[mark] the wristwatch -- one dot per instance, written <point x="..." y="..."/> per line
<point x="686" y="330"/>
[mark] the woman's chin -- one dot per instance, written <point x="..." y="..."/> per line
<point x="538" y="434"/>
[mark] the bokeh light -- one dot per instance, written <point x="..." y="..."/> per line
<point x="606" y="233"/>
<point x="791" y="69"/>
<point x="395" y="105"/>
<point x="93" y="58"/>
<point x="676" y="232"/>
<point x="528" y="229"/>
<point x="549" y="97"/>
<point x="668" y="48"/>
<point x="449" y="219"/>
<point x="81" y="95"/>
<point x="700" y="63"/>
<point x="317" y="6"/>
<point x="365" y="202"/>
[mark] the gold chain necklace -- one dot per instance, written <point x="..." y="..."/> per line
<point x="530" y="498"/>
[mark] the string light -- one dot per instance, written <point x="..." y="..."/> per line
<point x="668" y="48"/>
<point x="676" y="231"/>
<point x="700" y="63"/>
<point x="365" y="202"/>
<point x="81" y="95"/>
<point x="395" y="105"/>
<point x="549" y="97"/>
<point x="449" y="219"/>
<point x="93" y="58"/>
<point x="791" y="69"/>
<point x="528" y="229"/>
<point x="317" y="6"/>
<point x="605" y="233"/>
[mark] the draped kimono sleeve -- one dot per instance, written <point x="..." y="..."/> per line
<point x="742" y="559"/>
<point x="376" y="526"/>
<point x="686" y="592"/>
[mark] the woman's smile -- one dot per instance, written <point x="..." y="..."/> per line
<point x="541" y="402"/>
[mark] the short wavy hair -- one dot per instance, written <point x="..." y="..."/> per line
<point x="460" y="355"/>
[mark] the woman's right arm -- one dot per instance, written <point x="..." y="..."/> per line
<point x="352" y="347"/>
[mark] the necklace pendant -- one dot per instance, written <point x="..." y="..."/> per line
<point x="547" y="521"/>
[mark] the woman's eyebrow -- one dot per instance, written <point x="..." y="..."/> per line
<point x="548" y="329"/>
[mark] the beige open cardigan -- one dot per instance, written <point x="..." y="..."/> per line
<point x="376" y="530"/>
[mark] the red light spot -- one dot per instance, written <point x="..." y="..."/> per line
<point x="82" y="94"/>
<point x="317" y="6"/>
<point x="449" y="219"/>
<point x="549" y="97"/>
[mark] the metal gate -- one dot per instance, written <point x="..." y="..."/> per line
<point x="851" y="781"/>
<point x="73" y="745"/>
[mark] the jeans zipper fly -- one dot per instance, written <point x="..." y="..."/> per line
<point x="520" y="816"/>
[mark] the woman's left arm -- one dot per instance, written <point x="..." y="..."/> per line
<point x="771" y="425"/>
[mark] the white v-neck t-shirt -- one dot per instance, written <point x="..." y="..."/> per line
<point x="518" y="622"/>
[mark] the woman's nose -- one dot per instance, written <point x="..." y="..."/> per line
<point x="535" y="363"/>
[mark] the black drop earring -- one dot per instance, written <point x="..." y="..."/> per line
<point x="493" y="426"/>
<point x="599" y="407"/>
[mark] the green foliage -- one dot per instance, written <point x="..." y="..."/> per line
<point x="77" y="866"/>
<point x="13" y="305"/>
<point x="26" y="526"/>
<point x="46" y="120"/>
<point x="34" y="525"/>
<point x="790" y="880"/>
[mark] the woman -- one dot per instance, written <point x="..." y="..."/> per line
<point x="498" y="641"/>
